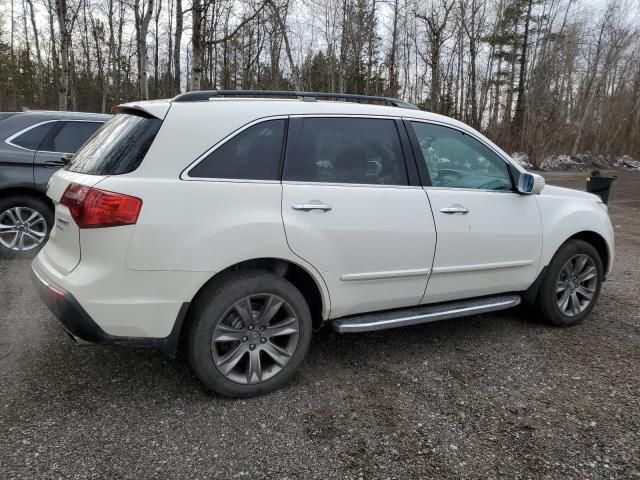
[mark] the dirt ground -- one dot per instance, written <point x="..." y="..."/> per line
<point x="492" y="396"/>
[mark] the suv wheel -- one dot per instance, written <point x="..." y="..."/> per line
<point x="249" y="333"/>
<point x="572" y="284"/>
<point x="25" y="223"/>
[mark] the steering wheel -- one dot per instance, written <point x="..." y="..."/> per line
<point x="494" y="184"/>
<point x="446" y="176"/>
<point x="448" y="172"/>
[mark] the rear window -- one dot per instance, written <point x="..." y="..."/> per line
<point x="118" y="147"/>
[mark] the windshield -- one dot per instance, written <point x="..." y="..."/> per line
<point x="118" y="147"/>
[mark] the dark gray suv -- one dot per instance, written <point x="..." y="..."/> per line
<point x="33" y="145"/>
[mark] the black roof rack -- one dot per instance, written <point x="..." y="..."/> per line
<point x="204" y="95"/>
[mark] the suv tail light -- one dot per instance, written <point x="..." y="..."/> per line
<point x="95" y="208"/>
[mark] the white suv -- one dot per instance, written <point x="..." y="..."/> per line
<point x="239" y="224"/>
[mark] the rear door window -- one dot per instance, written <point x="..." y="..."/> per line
<point x="70" y="137"/>
<point x="118" y="147"/>
<point x="348" y="150"/>
<point x="32" y="138"/>
<point x="252" y="154"/>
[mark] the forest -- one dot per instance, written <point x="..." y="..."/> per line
<point x="537" y="76"/>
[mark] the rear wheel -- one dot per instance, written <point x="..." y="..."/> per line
<point x="25" y="223"/>
<point x="572" y="284"/>
<point x="250" y="331"/>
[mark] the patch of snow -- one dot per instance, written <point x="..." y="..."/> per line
<point x="522" y="158"/>
<point x="588" y="161"/>
<point x="561" y="162"/>
<point x="627" y="162"/>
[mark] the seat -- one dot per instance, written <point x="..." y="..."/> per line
<point x="350" y="166"/>
<point x="260" y="155"/>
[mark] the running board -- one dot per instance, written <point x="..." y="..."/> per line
<point x="424" y="314"/>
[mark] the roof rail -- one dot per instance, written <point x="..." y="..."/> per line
<point x="204" y="95"/>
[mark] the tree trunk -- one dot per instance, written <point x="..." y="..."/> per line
<point x="142" y="20"/>
<point x="196" y="44"/>
<point x="393" y="74"/>
<point x="65" y="46"/>
<point x="372" y="27"/>
<point x="435" y="74"/>
<point x="287" y="46"/>
<point x="518" y="119"/>
<point x="176" y="48"/>
<point x="36" y="38"/>
<point x="473" y="56"/>
<point x="156" y="53"/>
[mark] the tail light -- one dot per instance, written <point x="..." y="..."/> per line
<point x="95" y="208"/>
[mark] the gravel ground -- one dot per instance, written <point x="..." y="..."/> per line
<point x="493" y="396"/>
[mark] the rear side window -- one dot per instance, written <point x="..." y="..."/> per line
<point x="70" y="137"/>
<point x="118" y="147"/>
<point x="348" y="150"/>
<point x="253" y="154"/>
<point x="33" y="137"/>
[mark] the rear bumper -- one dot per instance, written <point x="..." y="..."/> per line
<point x="83" y="329"/>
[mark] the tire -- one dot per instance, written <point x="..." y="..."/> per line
<point x="22" y="208"/>
<point x="559" y="285"/>
<point x="224" y="341"/>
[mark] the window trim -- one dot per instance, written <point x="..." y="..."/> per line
<point x="9" y="141"/>
<point x="184" y="175"/>
<point x="422" y="167"/>
<point x="294" y="143"/>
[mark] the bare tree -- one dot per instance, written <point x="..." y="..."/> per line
<point x="518" y="119"/>
<point x="143" y="10"/>
<point x="66" y="23"/>
<point x="39" y="66"/>
<point x="436" y="18"/>
<point x="198" y="42"/>
<point x="285" y="36"/>
<point x="541" y="76"/>
<point x="177" y="47"/>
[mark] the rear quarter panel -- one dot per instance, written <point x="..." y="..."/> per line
<point x="16" y="164"/>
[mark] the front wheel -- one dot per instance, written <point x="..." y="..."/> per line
<point x="572" y="284"/>
<point x="250" y="331"/>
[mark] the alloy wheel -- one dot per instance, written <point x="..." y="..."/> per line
<point x="22" y="228"/>
<point x="576" y="285"/>
<point x="255" y="338"/>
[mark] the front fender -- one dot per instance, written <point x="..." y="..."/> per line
<point x="563" y="217"/>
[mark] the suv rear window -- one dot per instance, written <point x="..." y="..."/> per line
<point x="118" y="147"/>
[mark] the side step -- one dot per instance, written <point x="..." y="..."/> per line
<point x="424" y="314"/>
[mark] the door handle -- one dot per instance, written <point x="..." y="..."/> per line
<point x="55" y="163"/>
<point x="307" y="207"/>
<point x="456" y="209"/>
<point x="59" y="163"/>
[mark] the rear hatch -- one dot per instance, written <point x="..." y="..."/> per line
<point x="116" y="148"/>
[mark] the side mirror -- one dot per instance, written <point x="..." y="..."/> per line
<point x="530" y="183"/>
